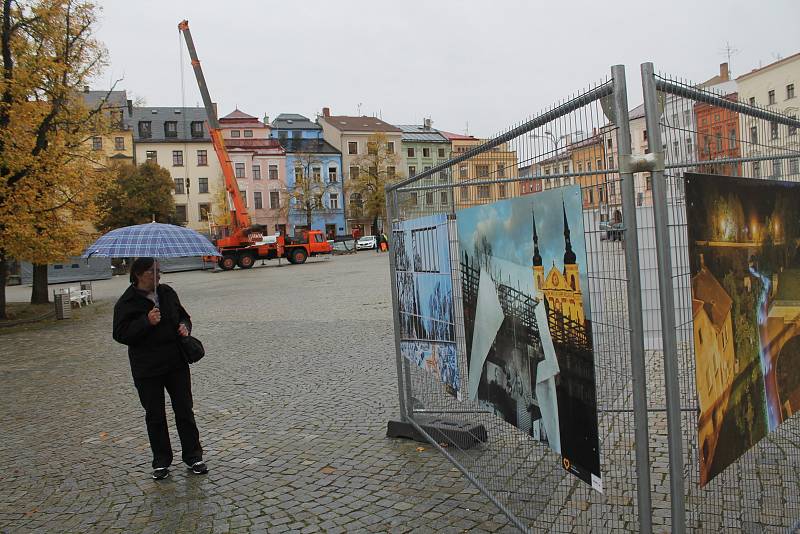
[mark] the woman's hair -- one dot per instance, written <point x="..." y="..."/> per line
<point x="139" y="266"/>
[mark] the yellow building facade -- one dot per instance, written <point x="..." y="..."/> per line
<point x="496" y="164"/>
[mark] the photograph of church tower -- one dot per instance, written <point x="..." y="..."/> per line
<point x="527" y="321"/>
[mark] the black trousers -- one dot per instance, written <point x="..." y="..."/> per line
<point x="178" y="384"/>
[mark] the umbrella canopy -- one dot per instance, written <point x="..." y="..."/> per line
<point x="153" y="240"/>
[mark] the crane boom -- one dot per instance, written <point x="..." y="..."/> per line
<point x="240" y="219"/>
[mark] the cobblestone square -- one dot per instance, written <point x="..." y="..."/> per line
<point x="291" y="401"/>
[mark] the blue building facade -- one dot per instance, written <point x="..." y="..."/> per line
<point x="309" y="153"/>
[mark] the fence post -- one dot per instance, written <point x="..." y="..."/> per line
<point x="667" y="301"/>
<point x="391" y="214"/>
<point x="635" y="321"/>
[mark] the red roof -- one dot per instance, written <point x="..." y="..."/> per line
<point x="236" y="114"/>
<point x="457" y="137"/>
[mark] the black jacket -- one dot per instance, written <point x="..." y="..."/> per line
<point x="152" y="350"/>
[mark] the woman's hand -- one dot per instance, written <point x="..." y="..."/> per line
<point x="182" y="330"/>
<point x="154" y="316"/>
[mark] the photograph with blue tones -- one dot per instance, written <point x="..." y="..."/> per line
<point x="744" y="238"/>
<point x="425" y="296"/>
<point x="527" y="321"/>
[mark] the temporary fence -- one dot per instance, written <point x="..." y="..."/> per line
<point x="632" y="361"/>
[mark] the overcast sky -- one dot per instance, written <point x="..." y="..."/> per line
<point x="485" y="64"/>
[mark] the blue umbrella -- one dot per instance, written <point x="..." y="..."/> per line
<point x="151" y="240"/>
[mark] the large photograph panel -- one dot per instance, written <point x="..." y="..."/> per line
<point x="745" y="267"/>
<point x="425" y="293"/>
<point x="527" y="321"/>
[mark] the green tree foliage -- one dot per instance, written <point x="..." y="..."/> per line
<point x="139" y="194"/>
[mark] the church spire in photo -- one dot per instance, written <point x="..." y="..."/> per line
<point x="537" y="258"/>
<point x="569" y="255"/>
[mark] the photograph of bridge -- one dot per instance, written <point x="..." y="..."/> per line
<point x="745" y="266"/>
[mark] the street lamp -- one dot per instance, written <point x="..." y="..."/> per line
<point x="555" y="140"/>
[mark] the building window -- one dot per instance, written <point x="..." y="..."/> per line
<point x="483" y="172"/>
<point x="599" y="164"/>
<point x="426" y="152"/>
<point x="789" y="91"/>
<point x="590" y="194"/>
<point x="501" y="190"/>
<point x="334" y="201"/>
<point x="390" y="172"/>
<point x="97" y="143"/>
<point x="297" y="134"/>
<point x="119" y="143"/>
<point x="754" y="134"/>
<point x="565" y="168"/>
<point x="180" y="213"/>
<point x="501" y="170"/>
<point x="202" y="158"/>
<point x="273" y="172"/>
<point x="145" y="129"/>
<point x="248" y="133"/>
<point x="776" y="168"/>
<point x="373" y="171"/>
<point x="412" y="171"/>
<point x="316" y="173"/>
<point x="689" y="146"/>
<point x="443" y="199"/>
<point x="719" y="141"/>
<point x="441" y="153"/>
<point x="648" y="185"/>
<point x="197" y="129"/>
<point x="170" y="129"/>
<point x="152" y="155"/>
<point x="372" y="148"/>
<point x="202" y="184"/>
<point x="390" y="147"/>
<point x="204" y="211"/>
<point x="483" y="192"/>
<point x="177" y="158"/>
<point x="274" y="200"/>
<point x="731" y="139"/>
<point x="794" y="166"/>
<point x="464" y="192"/>
<point x="258" y="202"/>
<point x="238" y="169"/>
<point x="644" y="135"/>
<point x="179" y="189"/>
<point x="752" y="101"/>
<point x="332" y="176"/>
<point x="756" y="169"/>
<point x="462" y="171"/>
<point x="793" y="129"/>
<point x="298" y="173"/>
<point x="773" y="130"/>
<point x="256" y="172"/>
<point x="236" y="133"/>
<point x="414" y="199"/>
<point x="410" y="152"/>
<point x="429" y="198"/>
<point x="354" y="171"/>
<point x="687" y="117"/>
<point x="283" y="136"/>
<point x="610" y="143"/>
<point x="771" y="97"/>
<point x="352" y="147"/>
<point x="588" y="167"/>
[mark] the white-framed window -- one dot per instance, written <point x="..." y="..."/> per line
<point x="203" y="211"/>
<point x="443" y="198"/>
<point x="793" y="129"/>
<point x="390" y="147"/>
<point x="177" y="158"/>
<point x="248" y="133"/>
<point x="273" y="172"/>
<point x="334" y="201"/>
<point x="789" y="91"/>
<point x="316" y="173"/>
<point x="483" y="192"/>
<point x="771" y="96"/>
<point x="202" y="184"/>
<point x="256" y="172"/>
<point x="773" y="130"/>
<point x="352" y="147"/>
<point x="236" y="133"/>
<point x="441" y="153"/>
<point x="238" y="169"/>
<point x="202" y="158"/>
<point x="410" y="152"/>
<point x="752" y="101"/>
<point x="794" y="166"/>
<point x="333" y="176"/>
<point x="97" y="143"/>
<point x="258" y="202"/>
<point x="354" y="172"/>
<point x="179" y="186"/>
<point x="274" y="200"/>
<point x="119" y="143"/>
<point x="429" y="198"/>
<point x="412" y="171"/>
<point x="152" y="155"/>
<point x="426" y="152"/>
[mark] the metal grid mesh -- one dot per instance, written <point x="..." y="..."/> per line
<point x="570" y="143"/>
<point x="761" y="490"/>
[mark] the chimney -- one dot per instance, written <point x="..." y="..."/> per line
<point x="85" y="88"/>
<point x="266" y="119"/>
<point x="326" y="112"/>
<point x="427" y="124"/>
<point x="723" y="72"/>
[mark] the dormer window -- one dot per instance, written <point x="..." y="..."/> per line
<point x="197" y="128"/>
<point x="171" y="129"/>
<point x="145" y="129"/>
<point x="248" y="133"/>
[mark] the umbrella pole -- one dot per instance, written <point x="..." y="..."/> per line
<point x="156" y="272"/>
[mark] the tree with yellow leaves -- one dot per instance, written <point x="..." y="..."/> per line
<point x="366" y="187"/>
<point x="48" y="182"/>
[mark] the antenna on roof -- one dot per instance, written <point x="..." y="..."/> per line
<point x="466" y="129"/>
<point x="729" y="51"/>
<point x="358" y="113"/>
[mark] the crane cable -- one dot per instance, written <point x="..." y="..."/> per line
<point x="183" y="118"/>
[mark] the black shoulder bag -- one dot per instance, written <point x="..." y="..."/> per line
<point x="192" y="349"/>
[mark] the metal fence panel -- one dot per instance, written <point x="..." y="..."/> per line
<point x="759" y="492"/>
<point x="571" y="143"/>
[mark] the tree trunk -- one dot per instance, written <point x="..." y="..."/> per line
<point x="3" y="281"/>
<point x="39" y="292"/>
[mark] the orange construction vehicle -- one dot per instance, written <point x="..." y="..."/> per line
<point x="247" y="242"/>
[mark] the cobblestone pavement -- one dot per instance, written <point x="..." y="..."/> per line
<point x="292" y="402"/>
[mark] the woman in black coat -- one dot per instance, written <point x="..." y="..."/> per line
<point x="149" y="319"/>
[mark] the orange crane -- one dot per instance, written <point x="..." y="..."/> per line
<point x="246" y="243"/>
